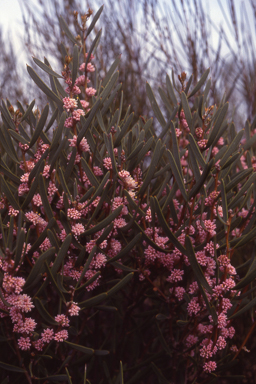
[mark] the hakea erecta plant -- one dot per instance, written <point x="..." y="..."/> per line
<point x="120" y="244"/>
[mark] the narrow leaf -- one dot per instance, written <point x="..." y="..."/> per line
<point x="200" y="83"/>
<point x="37" y="268"/>
<point x="177" y="175"/>
<point x="75" y="63"/>
<point x="187" y="110"/>
<point x="45" y="68"/>
<point x="94" y="20"/>
<point x="47" y="91"/>
<point x="44" y="313"/>
<point x="195" y="266"/>
<point x="104" y="222"/>
<point x="66" y="29"/>
<point x="155" y="106"/>
<point x="217" y="125"/>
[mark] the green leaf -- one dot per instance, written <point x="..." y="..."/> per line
<point x="56" y="378"/>
<point x="217" y="125"/>
<point x="170" y="90"/>
<point x="107" y="308"/>
<point x="155" y="106"/>
<point x="93" y="46"/>
<point x="224" y="201"/>
<point x="63" y="183"/>
<point x="45" y="68"/>
<point x="187" y="110"/>
<point x="12" y="368"/>
<point x="249" y="277"/>
<point x="126" y="249"/>
<point x="200" y="183"/>
<point x="175" y="148"/>
<point x="244" y="188"/>
<point x="7" y="144"/>
<point x="68" y="376"/>
<point x="38" y="167"/>
<point x="3" y="300"/>
<point x="47" y="91"/>
<point x="75" y="63"/>
<point x="249" y="143"/>
<point x="244" y="309"/>
<point x="58" y="132"/>
<point x="195" y="266"/>
<point x="6" y="190"/>
<point x="44" y="197"/>
<point x="121" y="373"/>
<point x="165" y="100"/>
<point x="7" y="172"/>
<point x="209" y="306"/>
<point x="61" y="254"/>
<point x="104" y="222"/>
<point x="53" y="282"/>
<point x="94" y="21"/>
<point x="37" y="268"/>
<point x="80" y="348"/>
<point x="93" y="301"/>
<point x="40" y="125"/>
<point x="88" y="121"/>
<point x="66" y="29"/>
<point x="126" y="125"/>
<point x="246" y="239"/>
<point x="29" y="109"/>
<point x="105" y="234"/>
<point x="238" y="178"/>
<point x="177" y="175"/>
<point x="87" y="265"/>
<point x="52" y="119"/>
<point x="19" y="138"/>
<point x="159" y="374"/>
<point x="44" y="313"/>
<point x="200" y="83"/>
<point x="7" y="116"/>
<point x="89" y="173"/>
<point x="152" y="168"/>
<point x="141" y="154"/>
<point x="111" y="71"/>
<point x="167" y="230"/>
<point x="120" y="285"/>
<point x="19" y="248"/>
<point x="232" y="148"/>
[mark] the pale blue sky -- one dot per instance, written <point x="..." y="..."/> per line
<point x="11" y="20"/>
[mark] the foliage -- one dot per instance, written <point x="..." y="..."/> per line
<point x="118" y="244"/>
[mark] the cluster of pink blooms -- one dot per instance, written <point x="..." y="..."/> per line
<point x="69" y="103"/>
<point x="205" y="334"/>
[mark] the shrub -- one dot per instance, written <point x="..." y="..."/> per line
<point x="119" y="257"/>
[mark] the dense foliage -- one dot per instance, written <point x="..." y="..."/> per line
<point x="119" y="249"/>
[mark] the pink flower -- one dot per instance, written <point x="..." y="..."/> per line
<point x="107" y="163"/>
<point x="85" y="104"/>
<point x="69" y="103"/>
<point x="210" y="366"/>
<point x="24" y="343"/>
<point x="90" y="91"/>
<point x="193" y="307"/>
<point x="62" y="320"/>
<point x="74" y="309"/>
<point x="24" y="303"/>
<point x="61" y="336"/>
<point x="47" y="335"/>
<point x="175" y="276"/>
<point x="69" y="122"/>
<point x="77" y="229"/>
<point x="77" y="114"/>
